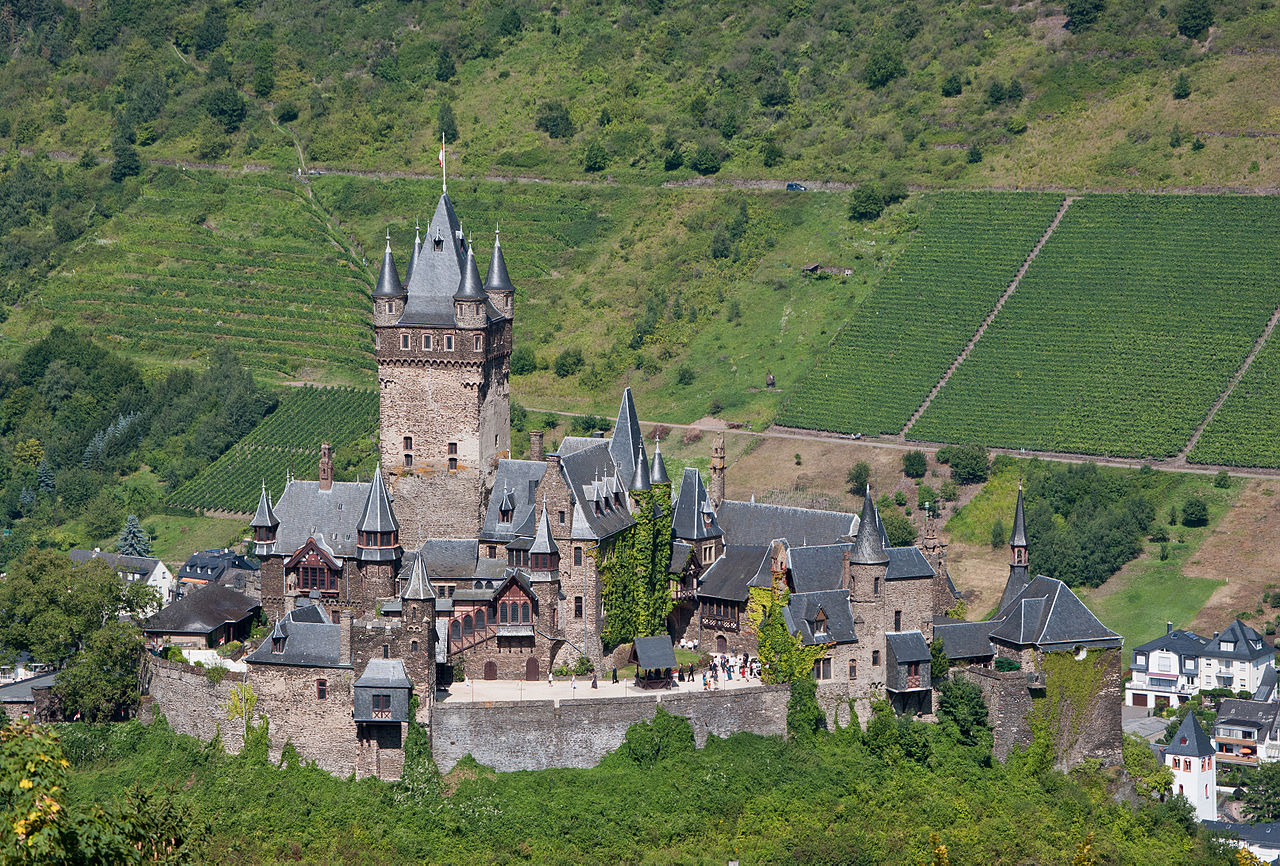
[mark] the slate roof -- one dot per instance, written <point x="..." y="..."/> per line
<point x="19" y="691"/>
<point x="908" y="646"/>
<point x="1190" y="740"/>
<point x="626" y="440"/>
<point x="1256" y="714"/>
<point x="1266" y="690"/>
<point x="640" y="478"/>
<point x="757" y="523"/>
<point x="1019" y="577"/>
<point x="906" y="563"/>
<point x="519" y="479"/>
<point x="582" y="470"/>
<point x="203" y="610"/>
<point x="1263" y="835"/>
<point x="388" y="280"/>
<point x="868" y="548"/>
<point x="658" y="472"/>
<point x="138" y="565"/>
<point x="413" y="256"/>
<point x="436" y="275"/>
<point x="264" y="516"/>
<point x="378" y="515"/>
<point x="1018" y="538"/>
<point x="1245" y="640"/>
<point x="687" y="519"/>
<point x="1184" y="643"/>
<point x="469" y="286"/>
<point x="543" y="542"/>
<point x="305" y="511"/>
<point x="212" y="565"/>
<point x="384" y="674"/>
<point x="965" y="640"/>
<point x="655" y="653"/>
<point x="802" y="610"/>
<point x="729" y="576"/>
<point x="448" y="558"/>
<point x="496" y="278"/>
<point x="311" y="640"/>
<point x="680" y="553"/>
<point x="816" y="568"/>
<point x="1048" y="614"/>
<point x="419" y="587"/>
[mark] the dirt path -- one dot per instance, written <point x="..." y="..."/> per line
<point x="1235" y="380"/>
<point x="982" y="329"/>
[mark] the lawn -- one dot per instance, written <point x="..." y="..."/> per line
<point x="174" y="539"/>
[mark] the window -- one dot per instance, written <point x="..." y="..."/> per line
<point x="479" y="342"/>
<point x="453" y="464"/>
<point x="404" y="341"/>
<point x="1191" y="664"/>
<point x="577" y="556"/>
<point x="277" y="644"/>
<point x="1164" y="664"/>
<point x="391" y="306"/>
<point x="708" y="552"/>
<point x="502" y="612"/>
<point x="468" y="626"/>
<point x="382" y="706"/>
<point x="853" y="670"/>
<point x="453" y="449"/>
<point x="455" y="630"/>
<point x="562" y="518"/>
<point x="448" y="343"/>
<point x="524" y="612"/>
<point x="413" y="646"/>
<point x="480" y="619"/>
<point x="493" y="551"/>
<point x="577" y="607"/>
<point x="875" y="658"/>
<point x="322" y="690"/>
<point x="316" y="577"/>
<point x="408" y="461"/>
<point x="822" y="669"/>
<point x="426" y="342"/>
<point x="386" y="651"/>
<point x="408" y="443"/>
<point x="876" y="586"/>
<point x="1140" y="659"/>
<point x="897" y="620"/>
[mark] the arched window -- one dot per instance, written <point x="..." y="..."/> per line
<point x="480" y="618"/>
<point x="468" y="627"/>
<point x="502" y="612"/>
<point x="455" y="630"/>
<point x="413" y="646"/>
<point x="524" y="612"/>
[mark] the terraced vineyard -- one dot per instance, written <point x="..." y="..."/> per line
<point x="1244" y="432"/>
<point x="201" y="256"/>
<point x="1123" y="332"/>
<point x="288" y="438"/>
<point x="902" y="339"/>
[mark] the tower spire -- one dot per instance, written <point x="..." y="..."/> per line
<point x="1019" y="570"/>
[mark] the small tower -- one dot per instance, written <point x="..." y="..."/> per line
<point x="326" y="467"/>
<point x="497" y="284"/>
<point x="378" y="532"/>
<point x="419" y="594"/>
<point x="545" y="553"/>
<point x="1191" y="757"/>
<point x="413" y="254"/>
<point x="640" y="482"/>
<point x="469" y="300"/>
<point x="264" y="524"/>
<point x="717" y="470"/>
<point x="389" y="294"/>
<point x="1019" y="570"/>
<point x="658" y="474"/>
<point x="867" y="559"/>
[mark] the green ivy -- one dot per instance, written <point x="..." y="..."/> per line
<point x="637" y="587"/>
<point x="782" y="657"/>
<point x="1058" y="718"/>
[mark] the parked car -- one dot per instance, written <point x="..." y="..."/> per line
<point x="792" y="186"/>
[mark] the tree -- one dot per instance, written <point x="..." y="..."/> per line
<point x="1013" y="93"/>
<point x="595" y="157"/>
<point x="914" y="464"/>
<point x="1262" y="792"/>
<point x="1222" y="480"/>
<point x="782" y="656"/>
<point x="264" y="70"/>
<point x="553" y="119"/>
<point x="706" y="159"/>
<point x="771" y="153"/>
<point x="568" y="362"/>
<point x="212" y="30"/>
<point x="1182" y="86"/>
<point x="101" y="681"/>
<point x="804" y="717"/>
<point x="446" y="123"/>
<point x="287" y="111"/>
<point x="49" y="606"/>
<point x="995" y="93"/>
<point x="226" y="105"/>
<point x="973" y="155"/>
<point x="939" y="664"/>
<point x="859" y="475"/>
<point x="126" y="163"/>
<point x="1083" y="14"/>
<point x="998" y="536"/>
<point x="883" y="65"/>
<point x="866" y="202"/>
<point x="1195" y="18"/>
<point x="899" y="528"/>
<point x="445" y="68"/>
<point x="970" y="464"/>
<point x="1151" y="777"/>
<point x="133" y="541"/>
<point x="952" y="85"/>
<point x="963" y="710"/>
<point x="87" y="159"/>
<point x="523" y="360"/>
<point x="1195" y="512"/>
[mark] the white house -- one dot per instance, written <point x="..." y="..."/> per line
<point x="1261" y="840"/>
<point x="136" y="569"/>
<point x="1192" y="758"/>
<point x="1170" y="669"/>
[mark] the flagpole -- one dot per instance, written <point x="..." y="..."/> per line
<point x="444" y="180"/>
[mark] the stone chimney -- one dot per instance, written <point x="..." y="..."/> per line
<point x="344" y="637"/>
<point x="846" y="572"/>
<point x="326" y="467"/>
<point x="717" y="471"/>
<point x="535" y="446"/>
<point x="1168" y="628"/>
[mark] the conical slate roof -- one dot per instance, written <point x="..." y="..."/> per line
<point x="1019" y="536"/>
<point x="640" y="481"/>
<point x="496" y="279"/>
<point x="658" y="475"/>
<point x="265" y="516"/>
<point x="543" y="542"/>
<point x="419" y="587"/>
<point x="1190" y="741"/>
<point x="626" y="438"/>
<point x="388" y="280"/>
<point x="469" y="287"/>
<point x="413" y="256"/>
<point x="868" y="548"/>
<point x="377" y="515"/>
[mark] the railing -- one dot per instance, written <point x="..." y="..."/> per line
<point x="382" y="714"/>
<point x="715" y="622"/>
<point x="681" y="593"/>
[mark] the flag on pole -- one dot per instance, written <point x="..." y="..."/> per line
<point x="441" y="156"/>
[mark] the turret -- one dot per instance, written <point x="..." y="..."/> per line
<point x="545" y="553"/>
<point x="640" y="480"/>
<point x="497" y="284"/>
<point x="1019" y="570"/>
<point x="658" y="474"/>
<point x="717" y="470"/>
<point x="378" y="532"/>
<point x="867" y="559"/>
<point x="389" y="294"/>
<point x="326" y="467"/>
<point x="469" y="300"/>
<point x="413" y="255"/>
<point x="264" y="524"/>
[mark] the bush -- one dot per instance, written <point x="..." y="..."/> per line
<point x="926" y="495"/>
<point x="1222" y="480"/>
<point x="1195" y="512"/>
<point x="969" y="463"/>
<point x="1198" y="144"/>
<point x="1083" y="14"/>
<point x="804" y="717"/>
<point x="226" y="105"/>
<point x="1182" y="86"/>
<point x="553" y="119"/>
<point x="568" y="362"/>
<point x="899" y="528"/>
<point x="1195" y="18"/>
<point x="973" y="155"/>
<point x="949" y="491"/>
<point x="595" y="157"/>
<point x="446" y="123"/>
<point x="1005" y="665"/>
<point x="287" y="111"/>
<point x="998" y="536"/>
<point x="866" y="202"/>
<point x="772" y="154"/>
<point x="914" y="464"/>
<point x="523" y="360"/>
<point x="883" y="66"/>
<point x="706" y="159"/>
<point x="667" y="736"/>
<point x="227" y="650"/>
<point x="859" y="475"/>
<point x="952" y="85"/>
<point x="127" y="162"/>
<point x="684" y="375"/>
<point x="1159" y="534"/>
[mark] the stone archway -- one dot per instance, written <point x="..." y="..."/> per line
<point x="490" y="670"/>
<point x="722" y="645"/>
<point x="531" y="672"/>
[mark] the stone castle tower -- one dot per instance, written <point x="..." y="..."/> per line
<point x="444" y="359"/>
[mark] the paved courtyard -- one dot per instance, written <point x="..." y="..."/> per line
<point x="562" y="690"/>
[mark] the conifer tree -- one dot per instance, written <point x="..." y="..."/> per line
<point x="133" y="541"/>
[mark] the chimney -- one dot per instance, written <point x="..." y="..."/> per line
<point x="1168" y="628"/>
<point x="535" y="445"/>
<point x="326" y="467"/>
<point x="344" y="637"/>
<point x="717" y="471"/>
<point x="846" y="571"/>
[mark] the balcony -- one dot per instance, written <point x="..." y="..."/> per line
<point x="716" y="623"/>
<point x="682" y="593"/>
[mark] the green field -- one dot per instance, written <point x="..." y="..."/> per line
<point x="881" y="366"/>
<point x="201" y="257"/>
<point x="1124" y="330"/>
<point x="288" y="439"/>
<point x="1243" y="433"/>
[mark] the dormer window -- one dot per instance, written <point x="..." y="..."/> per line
<point x="437" y="243"/>
<point x="505" y="515"/>
<point x="1228" y="646"/>
<point x="1256" y="644"/>
<point x="277" y="644"/>
<point x="820" y="622"/>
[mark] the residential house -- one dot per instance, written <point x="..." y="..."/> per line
<point x="1167" y="671"/>
<point x="136" y="569"/>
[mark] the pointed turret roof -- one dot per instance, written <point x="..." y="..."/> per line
<point x="377" y="515"/>
<point x="413" y="255"/>
<point x="496" y="278"/>
<point x="437" y="274"/>
<point x="265" y="516"/>
<point x="626" y="436"/>
<point x="1019" y="536"/>
<point x="418" y="588"/>
<point x="1190" y="741"/>
<point x="658" y="475"/>
<point x="543" y="542"/>
<point x="640" y="481"/>
<point x="469" y="287"/>
<point x="388" y="280"/>
<point x="868" y="547"/>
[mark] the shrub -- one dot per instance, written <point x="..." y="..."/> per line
<point x="1159" y="534"/>
<point x="568" y="362"/>
<point x="595" y="157"/>
<point x="1222" y="480"/>
<point x="1182" y="86"/>
<point x="523" y="360"/>
<point x="127" y="162"/>
<point x="859" y="475"/>
<point x="287" y="111"/>
<point x="227" y="650"/>
<point x="950" y="491"/>
<point x="553" y="119"/>
<point x="226" y="105"/>
<point x="973" y="155"/>
<point x="866" y="202"/>
<point x="883" y="65"/>
<point x="926" y="495"/>
<point x="998" y="536"/>
<point x="969" y="463"/>
<point x="1195" y="18"/>
<point x="684" y="375"/>
<point x="1198" y="144"/>
<point x="667" y="736"/>
<point x="772" y="154"/>
<point x="952" y="85"/>
<point x="446" y="123"/>
<point x="899" y="529"/>
<point x="1005" y="665"/>
<point x="914" y="464"/>
<point x="706" y="159"/>
<point x="583" y="666"/>
<point x="1195" y="512"/>
<point x="215" y="674"/>
<point x="804" y="717"/>
<point x="1083" y="14"/>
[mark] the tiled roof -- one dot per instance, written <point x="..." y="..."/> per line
<point x="118" y="561"/>
<point x="908" y="646"/>
<point x="1190" y="740"/>
<point x="688" y="521"/>
<point x="264" y="516"/>
<point x="202" y="610"/>
<point x="801" y="614"/>
<point x="310" y="640"/>
<point x="1255" y="714"/>
<point x="758" y="523"/>
<point x="729" y="576"/>
<point x="655" y="653"/>
<point x="305" y="511"/>
<point x="518" y="479"/>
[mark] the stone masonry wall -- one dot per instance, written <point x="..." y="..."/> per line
<point x="536" y="735"/>
<point x="1008" y="704"/>
<point x="188" y="700"/>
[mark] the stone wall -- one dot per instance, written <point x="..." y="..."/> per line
<point x="189" y="700"/>
<point x="536" y="735"/>
<point x="1008" y="704"/>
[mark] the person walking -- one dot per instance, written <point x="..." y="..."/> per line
<point x="573" y="681"/>
<point x="615" y="676"/>
<point x="550" y="679"/>
<point x="593" y="681"/>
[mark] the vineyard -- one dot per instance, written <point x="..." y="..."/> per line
<point x="1123" y="332"/>
<point x="288" y="439"/>
<point x="900" y="342"/>
<point x="1243" y="433"/>
<point x="201" y="257"/>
